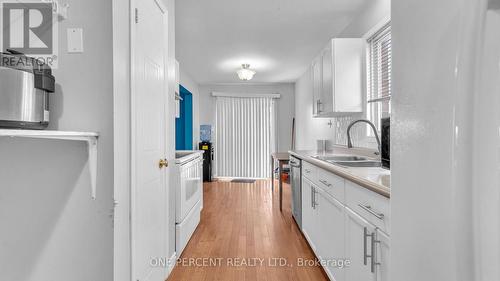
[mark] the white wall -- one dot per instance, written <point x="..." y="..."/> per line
<point x="311" y="129"/>
<point x="374" y="12"/>
<point x="486" y="164"/>
<point x="50" y="227"/>
<point x="193" y="87"/>
<point x="308" y="128"/>
<point x="285" y="105"/>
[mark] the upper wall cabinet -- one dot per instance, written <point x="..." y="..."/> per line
<point x="337" y="76"/>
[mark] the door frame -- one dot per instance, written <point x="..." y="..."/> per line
<point x="123" y="93"/>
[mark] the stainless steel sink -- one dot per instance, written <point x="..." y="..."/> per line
<point x="342" y="158"/>
<point x="366" y="163"/>
<point x="350" y="160"/>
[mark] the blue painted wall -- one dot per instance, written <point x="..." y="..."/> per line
<point x="184" y="124"/>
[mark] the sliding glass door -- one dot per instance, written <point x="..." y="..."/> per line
<point x="245" y="136"/>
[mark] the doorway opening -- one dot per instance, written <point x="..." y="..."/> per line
<point x="245" y="136"/>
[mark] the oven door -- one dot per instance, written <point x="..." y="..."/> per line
<point x="189" y="191"/>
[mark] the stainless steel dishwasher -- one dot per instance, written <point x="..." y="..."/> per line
<point x="296" y="181"/>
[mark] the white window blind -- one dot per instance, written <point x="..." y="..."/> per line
<point x="380" y="75"/>
<point x="245" y="136"/>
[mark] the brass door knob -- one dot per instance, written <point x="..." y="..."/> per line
<point x="163" y="163"/>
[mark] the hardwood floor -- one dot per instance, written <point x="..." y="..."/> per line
<point x="241" y="225"/>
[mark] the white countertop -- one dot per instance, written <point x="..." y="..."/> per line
<point x="373" y="178"/>
<point x="183" y="156"/>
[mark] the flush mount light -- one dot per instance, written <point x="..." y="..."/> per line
<point x="245" y="73"/>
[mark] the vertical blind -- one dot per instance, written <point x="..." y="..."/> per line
<point x="380" y="75"/>
<point x="245" y="136"/>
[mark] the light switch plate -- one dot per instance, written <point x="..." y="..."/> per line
<point x="75" y="40"/>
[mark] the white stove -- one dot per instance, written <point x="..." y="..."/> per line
<point x="188" y="195"/>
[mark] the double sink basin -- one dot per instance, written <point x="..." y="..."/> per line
<point x="350" y="160"/>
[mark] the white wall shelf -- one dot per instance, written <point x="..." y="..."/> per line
<point x="89" y="137"/>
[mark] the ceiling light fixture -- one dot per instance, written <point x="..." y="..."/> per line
<point x="245" y="73"/>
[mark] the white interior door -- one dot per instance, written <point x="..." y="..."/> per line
<point x="149" y="142"/>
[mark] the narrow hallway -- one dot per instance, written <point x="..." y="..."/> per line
<point x="241" y="225"/>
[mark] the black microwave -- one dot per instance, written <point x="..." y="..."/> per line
<point x="385" y="148"/>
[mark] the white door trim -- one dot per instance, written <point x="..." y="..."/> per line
<point x="133" y="68"/>
<point x="122" y="18"/>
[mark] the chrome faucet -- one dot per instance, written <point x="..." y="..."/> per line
<point x="349" y="141"/>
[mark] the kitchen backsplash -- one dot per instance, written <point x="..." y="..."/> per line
<point x="358" y="132"/>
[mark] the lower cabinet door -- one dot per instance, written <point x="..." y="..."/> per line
<point x="308" y="216"/>
<point x="331" y="235"/>
<point x="358" y="249"/>
<point x="383" y="256"/>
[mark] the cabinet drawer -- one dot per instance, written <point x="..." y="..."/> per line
<point x="185" y="229"/>
<point x="309" y="171"/>
<point x="372" y="206"/>
<point x="332" y="184"/>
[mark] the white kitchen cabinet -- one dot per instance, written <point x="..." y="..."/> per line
<point x="327" y="81"/>
<point x="337" y="226"/>
<point x="374" y="207"/>
<point x="309" y="223"/>
<point x="337" y="76"/>
<point x="316" y="78"/>
<point x="383" y="256"/>
<point x="309" y="171"/>
<point x="358" y="247"/>
<point x="330" y="241"/>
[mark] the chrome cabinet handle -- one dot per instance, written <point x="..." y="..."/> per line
<point x="374" y="252"/>
<point x="365" y="244"/>
<point x="325" y="183"/>
<point x="314" y="203"/>
<point x="373" y="255"/>
<point x="312" y="197"/>
<point x="369" y="209"/>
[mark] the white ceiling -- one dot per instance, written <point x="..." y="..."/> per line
<point x="278" y="38"/>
